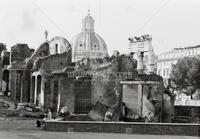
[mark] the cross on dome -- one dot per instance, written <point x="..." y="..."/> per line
<point x="88" y="12"/>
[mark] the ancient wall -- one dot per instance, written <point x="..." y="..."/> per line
<point x="82" y="91"/>
<point x="103" y="89"/>
<point x="43" y="50"/>
<point x="106" y="84"/>
<point x="1" y="74"/>
<point x="15" y="84"/>
<point x="26" y="79"/>
<point x="168" y="129"/>
<point x="67" y="94"/>
<point x="53" y="62"/>
<point x="19" y="78"/>
<point x="58" y="45"/>
<point x="47" y="93"/>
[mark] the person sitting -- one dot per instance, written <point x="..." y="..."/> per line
<point x="149" y="117"/>
<point x="47" y="116"/>
<point x="64" y="112"/>
<point x="108" y="115"/>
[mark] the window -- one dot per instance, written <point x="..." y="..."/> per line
<point x="81" y="46"/>
<point x="95" y="47"/>
<point x="159" y="72"/>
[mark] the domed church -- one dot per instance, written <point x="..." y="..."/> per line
<point x="88" y="44"/>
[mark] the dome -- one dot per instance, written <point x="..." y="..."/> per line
<point x="88" y="44"/>
<point x="58" y="45"/>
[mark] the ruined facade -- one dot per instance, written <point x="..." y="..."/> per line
<point x="109" y="82"/>
<point x="30" y="70"/>
<point x="18" y="54"/>
<point x="90" y="81"/>
<point x="56" y="56"/>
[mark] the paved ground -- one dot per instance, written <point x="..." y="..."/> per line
<point x="26" y="129"/>
<point x="62" y="135"/>
<point x="15" y="128"/>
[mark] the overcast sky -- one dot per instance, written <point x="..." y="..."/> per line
<point x="172" y="23"/>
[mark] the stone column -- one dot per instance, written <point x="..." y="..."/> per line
<point x="42" y="93"/>
<point x="9" y="81"/>
<point x="35" y="96"/>
<point x="151" y="63"/>
<point x="140" y="98"/>
<point x="140" y="63"/>
<point x="15" y="85"/>
<point x="31" y="89"/>
<point x="21" y="86"/>
<point x="59" y="91"/>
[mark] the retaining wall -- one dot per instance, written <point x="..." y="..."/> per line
<point x="124" y="127"/>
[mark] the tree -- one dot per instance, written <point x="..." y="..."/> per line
<point x="186" y="74"/>
<point x="2" y="47"/>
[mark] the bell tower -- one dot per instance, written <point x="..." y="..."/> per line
<point x="88" y="23"/>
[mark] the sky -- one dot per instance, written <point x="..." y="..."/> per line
<point x="172" y="23"/>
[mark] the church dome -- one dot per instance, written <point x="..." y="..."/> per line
<point x="88" y="44"/>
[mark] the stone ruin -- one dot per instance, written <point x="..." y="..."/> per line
<point x="113" y="81"/>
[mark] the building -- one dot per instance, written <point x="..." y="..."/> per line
<point x="165" y="60"/>
<point x="88" y="44"/>
<point x="186" y="109"/>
